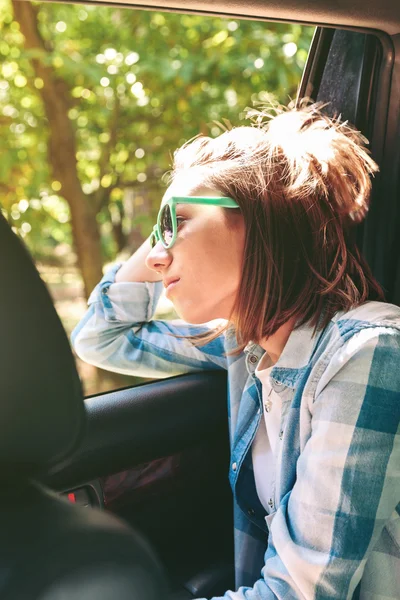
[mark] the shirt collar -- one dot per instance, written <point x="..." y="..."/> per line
<point x="295" y="357"/>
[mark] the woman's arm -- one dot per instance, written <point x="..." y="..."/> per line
<point x="117" y="332"/>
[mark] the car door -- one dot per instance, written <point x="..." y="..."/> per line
<point x="158" y="454"/>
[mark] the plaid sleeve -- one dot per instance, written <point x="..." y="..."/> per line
<point x="117" y="333"/>
<point x="348" y="479"/>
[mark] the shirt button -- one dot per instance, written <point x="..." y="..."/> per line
<point x="105" y="290"/>
<point x="251" y="512"/>
<point x="253" y="358"/>
<point x="268" y="406"/>
<point x="234" y="466"/>
<point x="281" y="434"/>
<point x="270" y="503"/>
<point x="277" y="383"/>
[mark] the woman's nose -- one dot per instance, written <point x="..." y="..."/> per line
<point x="158" y="258"/>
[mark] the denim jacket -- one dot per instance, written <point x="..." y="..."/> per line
<point x="334" y="527"/>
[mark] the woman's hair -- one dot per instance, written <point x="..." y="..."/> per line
<point x="301" y="180"/>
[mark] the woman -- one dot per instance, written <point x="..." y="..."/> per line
<point x="256" y="228"/>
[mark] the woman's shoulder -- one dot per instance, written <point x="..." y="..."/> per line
<point x="364" y="327"/>
<point x="370" y="314"/>
<point x="359" y="342"/>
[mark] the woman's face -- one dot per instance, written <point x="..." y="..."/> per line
<point x="206" y="257"/>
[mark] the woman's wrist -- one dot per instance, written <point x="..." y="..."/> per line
<point x="135" y="269"/>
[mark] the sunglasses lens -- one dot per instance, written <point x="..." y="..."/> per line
<point x="166" y="225"/>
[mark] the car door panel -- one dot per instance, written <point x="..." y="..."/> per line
<point x="134" y="425"/>
<point x="159" y="454"/>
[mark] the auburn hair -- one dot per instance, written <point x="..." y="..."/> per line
<point x="302" y="181"/>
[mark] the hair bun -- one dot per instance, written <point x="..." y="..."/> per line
<point x="320" y="155"/>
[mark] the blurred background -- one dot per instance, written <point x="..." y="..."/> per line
<point x="93" y="103"/>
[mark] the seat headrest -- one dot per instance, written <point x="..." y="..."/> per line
<point x="41" y="408"/>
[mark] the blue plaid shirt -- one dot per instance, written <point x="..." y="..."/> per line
<point x="334" y="529"/>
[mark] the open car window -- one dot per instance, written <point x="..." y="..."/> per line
<point x="93" y="102"/>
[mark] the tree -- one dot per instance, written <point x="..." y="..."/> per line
<point x="55" y="94"/>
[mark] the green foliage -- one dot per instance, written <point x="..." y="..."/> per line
<point x="139" y="84"/>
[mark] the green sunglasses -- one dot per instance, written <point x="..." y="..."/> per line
<point x="166" y="229"/>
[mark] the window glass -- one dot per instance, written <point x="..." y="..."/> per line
<point x="93" y="102"/>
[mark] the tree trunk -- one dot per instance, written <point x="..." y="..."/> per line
<point x="62" y="152"/>
<point x="119" y="236"/>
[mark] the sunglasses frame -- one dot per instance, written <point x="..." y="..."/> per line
<point x="156" y="234"/>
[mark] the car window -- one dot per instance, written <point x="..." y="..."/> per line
<point x="93" y="102"/>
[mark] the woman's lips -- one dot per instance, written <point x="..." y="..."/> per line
<point x="171" y="286"/>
